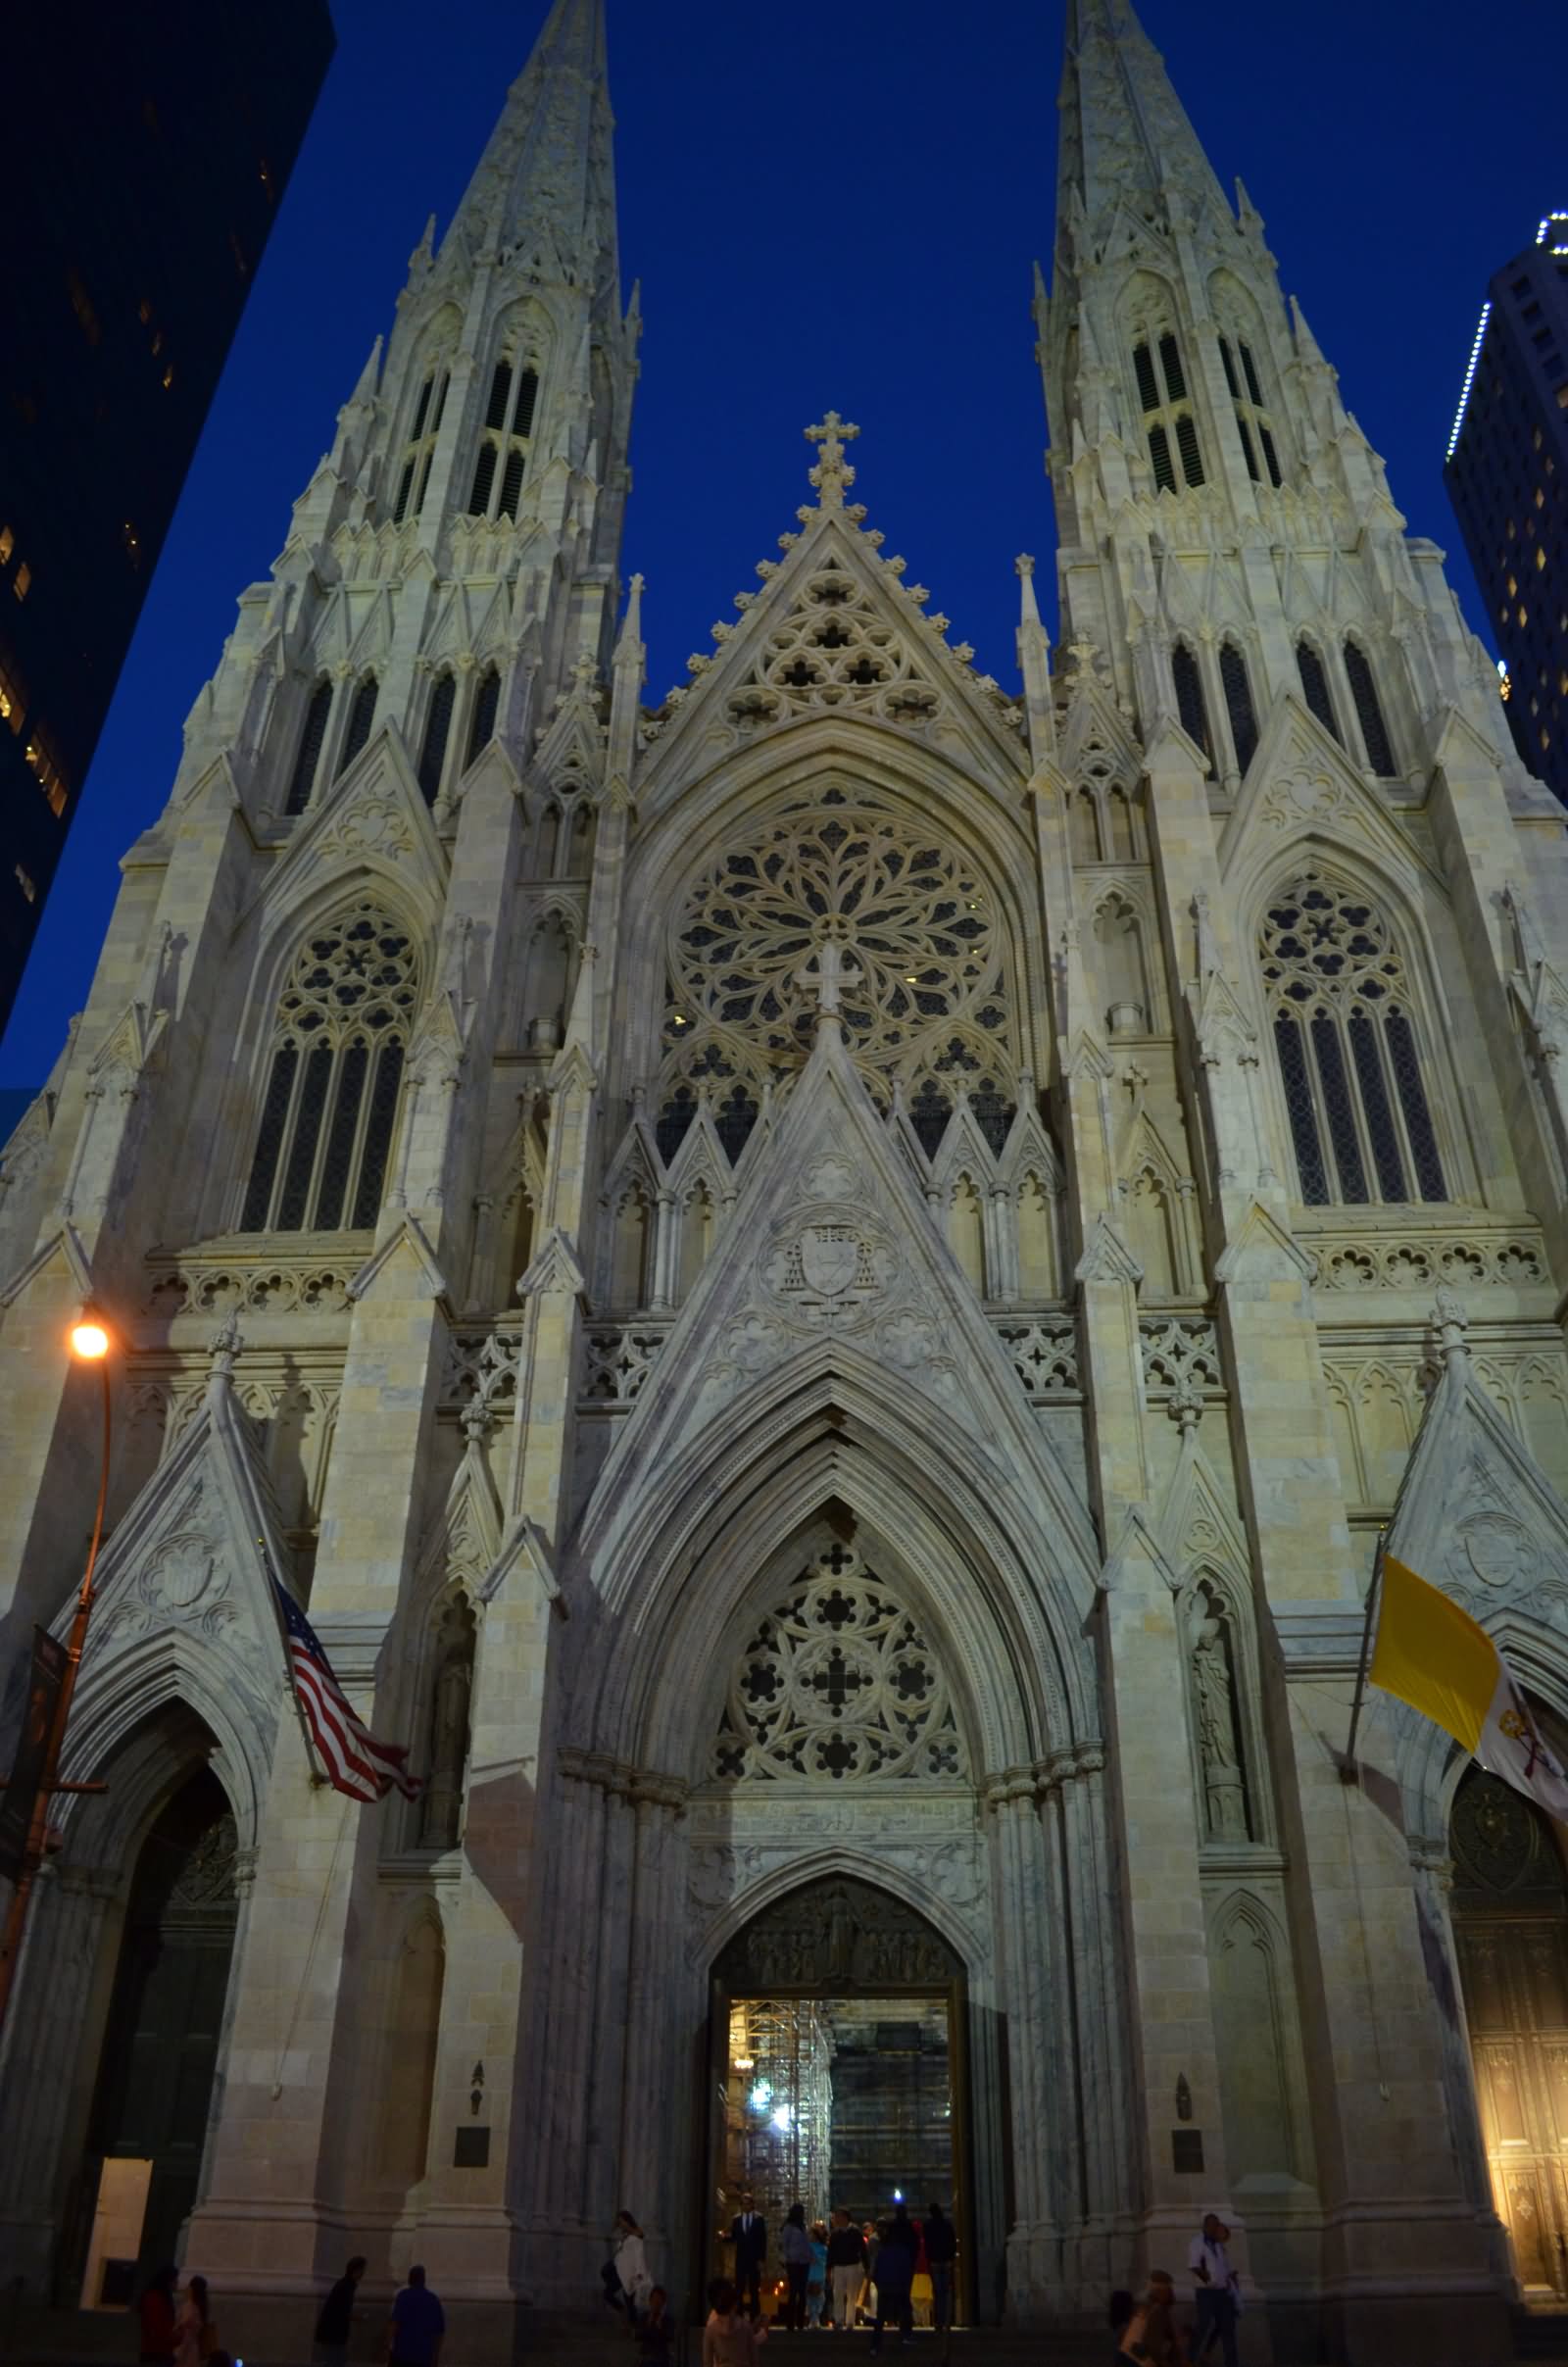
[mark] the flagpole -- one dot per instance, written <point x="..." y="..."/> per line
<point x="273" y="1583"/>
<point x="1348" y="1767"/>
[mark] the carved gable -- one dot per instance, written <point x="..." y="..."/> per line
<point x="832" y="1264"/>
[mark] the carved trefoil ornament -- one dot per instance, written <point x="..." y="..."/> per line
<point x="838" y="1682"/>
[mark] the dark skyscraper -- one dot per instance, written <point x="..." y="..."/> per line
<point x="143" y="174"/>
<point x="1507" y="477"/>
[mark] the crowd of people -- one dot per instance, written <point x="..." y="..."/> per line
<point x="837" y="2276"/>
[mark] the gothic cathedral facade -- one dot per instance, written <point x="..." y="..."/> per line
<point x="824" y="1288"/>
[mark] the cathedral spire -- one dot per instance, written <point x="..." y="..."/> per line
<point x="1125" y="136"/>
<point x="546" y="178"/>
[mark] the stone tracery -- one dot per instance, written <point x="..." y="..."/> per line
<point x="924" y="999"/>
<point x="838" y="1681"/>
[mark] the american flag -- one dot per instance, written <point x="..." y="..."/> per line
<point x="355" y="1763"/>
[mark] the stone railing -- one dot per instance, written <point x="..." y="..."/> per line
<point x="1045" y="1355"/>
<point x="254" y="1279"/>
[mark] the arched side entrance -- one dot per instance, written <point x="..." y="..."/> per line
<point x="837" y="2071"/>
<point x="1510" y="1928"/>
<point x="150" y="2108"/>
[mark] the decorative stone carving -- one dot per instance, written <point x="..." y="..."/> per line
<point x="197" y="1285"/>
<point x="1218" y="1739"/>
<point x="828" y="1267"/>
<point x="837" y="1935"/>
<point x="480" y="1365"/>
<point x="925" y="1007"/>
<point x="1415" y="1263"/>
<point x="837" y="1682"/>
<point x="1180" y="1353"/>
<point x="1045" y="1357"/>
<point x="617" y="1359"/>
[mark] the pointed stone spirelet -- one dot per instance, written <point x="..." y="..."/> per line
<point x="546" y="173"/>
<point x="832" y="476"/>
<point x="1126" y="136"/>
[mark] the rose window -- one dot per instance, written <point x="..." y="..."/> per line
<point x="838" y="1681"/>
<point x="921" y="958"/>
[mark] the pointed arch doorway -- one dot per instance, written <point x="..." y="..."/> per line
<point x="837" y="2072"/>
<point x="149" y="2120"/>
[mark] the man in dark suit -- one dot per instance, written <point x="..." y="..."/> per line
<point x="747" y="2231"/>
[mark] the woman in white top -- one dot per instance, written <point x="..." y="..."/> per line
<point x="631" y="2265"/>
<point x="730" y="2339"/>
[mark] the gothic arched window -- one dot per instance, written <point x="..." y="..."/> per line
<point x="839" y="885"/>
<point x="1191" y="704"/>
<point x="1345" y="1028"/>
<point x="838" y="1681"/>
<point x="486" y="707"/>
<point x="1167" y="411"/>
<point x="308" y="754"/>
<point x="1369" y="713"/>
<point x="415" y="473"/>
<point x="1316" y="685"/>
<point x="437" y="729"/>
<point x="331" y="1094"/>
<point x="1253" y="423"/>
<point x="1238" y="704"/>
<point x="507" y="440"/>
<point x="362" y="715"/>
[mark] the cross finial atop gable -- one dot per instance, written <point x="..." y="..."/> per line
<point x="832" y="476"/>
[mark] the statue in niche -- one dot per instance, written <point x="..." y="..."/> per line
<point x="441" y="1813"/>
<point x="1219" y="1749"/>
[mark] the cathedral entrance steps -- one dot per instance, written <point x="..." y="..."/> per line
<point x="1540" y="2335"/>
<point x="562" y="2342"/>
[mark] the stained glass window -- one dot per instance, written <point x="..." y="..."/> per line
<point x="308" y="754"/>
<point x="1316" y="685"/>
<point x="486" y="703"/>
<point x="362" y="715"/>
<point x="437" y="727"/>
<point x="343" y="1018"/>
<point x="913" y="930"/>
<point x="1238" y="704"/>
<point x="1356" y="1094"/>
<point x="1191" y="705"/>
<point x="1369" y="713"/>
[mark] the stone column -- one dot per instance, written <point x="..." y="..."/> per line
<point x="54" y="2043"/>
<point x="1166" y="1948"/>
<point x="1095" y="2010"/>
<point x="647" y="2102"/>
<point x="1028" y="1942"/>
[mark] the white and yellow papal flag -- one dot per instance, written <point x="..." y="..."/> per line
<point x="1433" y="1656"/>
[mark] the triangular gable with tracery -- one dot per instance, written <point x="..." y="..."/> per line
<point x="851" y="1278"/>
<point x="835" y="631"/>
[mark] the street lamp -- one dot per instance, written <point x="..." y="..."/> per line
<point x="53" y="1682"/>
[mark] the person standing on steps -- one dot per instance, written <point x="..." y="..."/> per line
<point x="846" y="2268"/>
<point x="1218" y="2290"/>
<point x="417" y="2325"/>
<point x="795" y="2248"/>
<point x="895" y="2275"/>
<point x="747" y="2231"/>
<point x="729" y="2338"/>
<point x="156" y="2311"/>
<point x="940" y="2251"/>
<point x="330" y="2343"/>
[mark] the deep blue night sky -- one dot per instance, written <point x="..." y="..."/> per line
<point x="835" y="206"/>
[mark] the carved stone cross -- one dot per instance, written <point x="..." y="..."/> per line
<point x="832" y="474"/>
<point x="833" y="966"/>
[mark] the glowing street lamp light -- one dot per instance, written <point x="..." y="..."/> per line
<point x="53" y="1683"/>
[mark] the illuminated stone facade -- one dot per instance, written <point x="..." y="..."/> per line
<point x="917" y="1225"/>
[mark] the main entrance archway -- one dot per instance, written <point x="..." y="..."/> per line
<point x="1510" y="1928"/>
<point x="159" y="2052"/>
<point x="836" y="2070"/>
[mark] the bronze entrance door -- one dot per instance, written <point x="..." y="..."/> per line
<point x="155" y="2079"/>
<point x="1510" y="1928"/>
<point x="836" y="2073"/>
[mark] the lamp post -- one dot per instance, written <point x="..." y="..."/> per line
<point x="91" y="1344"/>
